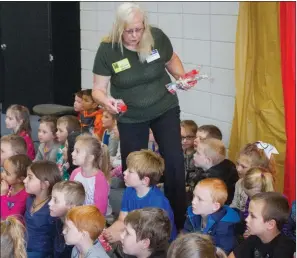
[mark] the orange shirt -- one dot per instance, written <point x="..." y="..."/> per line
<point x="94" y="120"/>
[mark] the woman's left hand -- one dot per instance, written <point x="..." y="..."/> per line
<point x="187" y="83"/>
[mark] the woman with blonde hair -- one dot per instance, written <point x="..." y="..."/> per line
<point x="134" y="59"/>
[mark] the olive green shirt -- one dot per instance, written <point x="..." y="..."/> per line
<point x="142" y="86"/>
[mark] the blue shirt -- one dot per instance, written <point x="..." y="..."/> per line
<point x="40" y="228"/>
<point x="154" y="198"/>
<point x="105" y="138"/>
<point x="220" y="225"/>
<point x="61" y="250"/>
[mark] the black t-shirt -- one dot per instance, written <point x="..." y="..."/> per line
<point x="253" y="247"/>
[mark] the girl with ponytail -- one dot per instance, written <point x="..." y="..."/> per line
<point x="257" y="154"/>
<point x="92" y="159"/>
<point x="256" y="180"/>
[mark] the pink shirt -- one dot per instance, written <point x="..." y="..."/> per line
<point x="13" y="205"/>
<point x="30" y="145"/>
<point x="96" y="187"/>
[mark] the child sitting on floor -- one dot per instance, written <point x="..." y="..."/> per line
<point x="18" y="120"/>
<point x="256" y="180"/>
<point x="188" y="130"/>
<point x="41" y="177"/>
<point x="209" y="215"/>
<point x="144" y="169"/>
<point x="92" y="159"/>
<point x="11" y="145"/>
<point x="210" y="156"/>
<point x="65" y="195"/>
<point x="146" y="234"/>
<point x="268" y="212"/>
<point x="13" y="194"/>
<point x="13" y="244"/>
<point x="65" y="126"/>
<point x="83" y="225"/>
<point x="49" y="146"/>
<point x="251" y="155"/>
<point x="109" y="122"/>
<point x="194" y="245"/>
<point x="207" y="132"/>
<point x="77" y="105"/>
<point x="91" y="116"/>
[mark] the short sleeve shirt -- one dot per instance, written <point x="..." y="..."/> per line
<point x="154" y="198"/>
<point x="253" y="247"/>
<point x="142" y="86"/>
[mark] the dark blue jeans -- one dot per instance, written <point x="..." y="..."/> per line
<point x="166" y="130"/>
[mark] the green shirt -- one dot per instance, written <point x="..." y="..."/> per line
<point x="141" y="87"/>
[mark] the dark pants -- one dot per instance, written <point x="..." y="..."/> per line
<point x="166" y="130"/>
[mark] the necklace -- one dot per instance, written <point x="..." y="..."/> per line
<point x="34" y="206"/>
<point x="9" y="191"/>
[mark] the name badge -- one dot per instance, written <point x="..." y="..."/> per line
<point x="121" y="65"/>
<point x="153" y="56"/>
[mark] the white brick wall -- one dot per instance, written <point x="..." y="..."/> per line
<point x="202" y="33"/>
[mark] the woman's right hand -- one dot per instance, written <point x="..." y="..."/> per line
<point x="100" y="93"/>
<point x="110" y="105"/>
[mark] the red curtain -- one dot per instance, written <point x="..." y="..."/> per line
<point x="288" y="57"/>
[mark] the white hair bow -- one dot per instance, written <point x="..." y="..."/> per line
<point x="268" y="148"/>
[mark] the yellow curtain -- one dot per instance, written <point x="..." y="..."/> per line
<point x="259" y="108"/>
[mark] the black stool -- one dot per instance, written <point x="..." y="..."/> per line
<point x="53" y="109"/>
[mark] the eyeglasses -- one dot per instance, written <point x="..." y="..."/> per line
<point x="188" y="138"/>
<point x="131" y="31"/>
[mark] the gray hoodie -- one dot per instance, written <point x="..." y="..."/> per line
<point x="96" y="251"/>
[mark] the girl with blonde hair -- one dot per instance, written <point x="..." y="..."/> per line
<point x="13" y="244"/>
<point x="252" y="155"/>
<point x="92" y="159"/>
<point x="256" y="180"/>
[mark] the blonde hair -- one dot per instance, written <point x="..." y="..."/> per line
<point x="190" y="126"/>
<point x="213" y="149"/>
<point x="258" y="178"/>
<point x="258" y="157"/>
<point x="124" y="15"/>
<point x="13" y="244"/>
<point x="21" y="113"/>
<point x="217" y="189"/>
<point x="71" y="122"/>
<point x="87" y="218"/>
<point x="146" y="163"/>
<point x="74" y="192"/>
<point x="194" y="245"/>
<point x="17" y="143"/>
<point x="100" y="152"/>
<point x="212" y="131"/>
